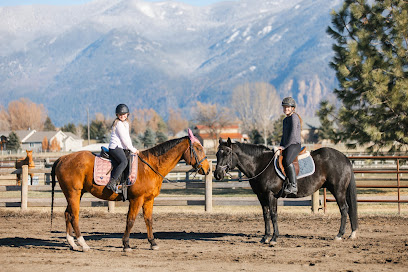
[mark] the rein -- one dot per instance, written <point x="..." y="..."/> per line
<point x="197" y="166"/>
<point x="249" y="178"/>
<point x="154" y="170"/>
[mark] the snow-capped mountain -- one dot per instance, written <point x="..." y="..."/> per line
<point x="163" y="54"/>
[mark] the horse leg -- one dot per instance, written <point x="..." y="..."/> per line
<point x="267" y="218"/>
<point x="351" y="199"/>
<point x="273" y="208"/>
<point x="341" y="202"/>
<point x="148" y="217"/>
<point x="70" y="234"/>
<point x="73" y="203"/>
<point x="134" y="207"/>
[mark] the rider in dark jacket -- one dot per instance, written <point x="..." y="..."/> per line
<point x="290" y="142"/>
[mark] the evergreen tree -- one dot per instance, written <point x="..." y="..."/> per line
<point x="48" y="125"/>
<point x="160" y="137"/>
<point x="327" y="120"/>
<point x="70" y="127"/>
<point x="98" y="130"/>
<point x="255" y="137"/>
<point x="276" y="135"/>
<point x="149" y="138"/>
<point x="371" y="64"/>
<point x="13" y="142"/>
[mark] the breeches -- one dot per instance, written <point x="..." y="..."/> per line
<point x="289" y="154"/>
<point x="119" y="156"/>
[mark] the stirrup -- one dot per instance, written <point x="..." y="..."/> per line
<point x="111" y="185"/>
<point x="290" y="190"/>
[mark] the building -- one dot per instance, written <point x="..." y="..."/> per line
<point x="32" y="139"/>
<point x="210" y="141"/>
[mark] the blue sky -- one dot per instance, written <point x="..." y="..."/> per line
<point x="76" y="2"/>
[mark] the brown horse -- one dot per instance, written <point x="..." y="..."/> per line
<point x="75" y="176"/>
<point x="28" y="160"/>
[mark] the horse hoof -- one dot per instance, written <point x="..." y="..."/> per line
<point x="86" y="249"/>
<point x="74" y="248"/>
<point x="128" y="249"/>
<point x="353" y="235"/>
<point x="154" y="247"/>
<point x="273" y="243"/>
<point x="337" y="238"/>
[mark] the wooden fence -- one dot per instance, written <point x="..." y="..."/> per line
<point x="206" y="183"/>
<point x="378" y="170"/>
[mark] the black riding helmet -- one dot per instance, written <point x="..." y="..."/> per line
<point x="289" y="101"/>
<point x="122" y="109"/>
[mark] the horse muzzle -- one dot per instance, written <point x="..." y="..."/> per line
<point x="219" y="173"/>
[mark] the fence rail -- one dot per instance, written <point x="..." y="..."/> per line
<point x="377" y="170"/>
<point x="208" y="184"/>
<point x="205" y="183"/>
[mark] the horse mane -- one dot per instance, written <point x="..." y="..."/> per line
<point x="253" y="149"/>
<point x="163" y="148"/>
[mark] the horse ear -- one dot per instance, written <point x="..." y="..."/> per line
<point x="220" y="141"/>
<point x="229" y="141"/>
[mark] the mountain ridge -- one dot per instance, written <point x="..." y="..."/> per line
<point x="163" y="55"/>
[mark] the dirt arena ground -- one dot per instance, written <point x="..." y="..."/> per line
<point x="200" y="241"/>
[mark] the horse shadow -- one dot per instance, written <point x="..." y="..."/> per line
<point x="58" y="241"/>
<point x="167" y="235"/>
<point x="57" y="244"/>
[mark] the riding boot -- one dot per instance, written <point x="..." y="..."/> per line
<point x="111" y="184"/>
<point x="291" y="175"/>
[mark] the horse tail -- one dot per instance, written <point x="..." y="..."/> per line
<point x="351" y="198"/>
<point x="53" y="187"/>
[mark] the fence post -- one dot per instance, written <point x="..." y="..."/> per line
<point x="111" y="206"/>
<point x="24" y="188"/>
<point x="315" y="202"/>
<point x="208" y="190"/>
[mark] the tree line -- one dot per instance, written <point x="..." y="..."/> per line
<point x="255" y="106"/>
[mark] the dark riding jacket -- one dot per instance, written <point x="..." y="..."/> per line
<point x="291" y="131"/>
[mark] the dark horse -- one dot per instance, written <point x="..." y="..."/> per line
<point x="333" y="171"/>
<point x="75" y="176"/>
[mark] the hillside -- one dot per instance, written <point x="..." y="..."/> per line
<point x="163" y="54"/>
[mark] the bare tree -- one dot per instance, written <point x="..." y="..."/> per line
<point x="138" y="123"/>
<point x="175" y="122"/>
<point x="44" y="144"/>
<point x="4" y="119"/>
<point x="213" y="117"/>
<point x="54" y="146"/>
<point x="257" y="106"/>
<point x="25" y="114"/>
<point x="145" y="118"/>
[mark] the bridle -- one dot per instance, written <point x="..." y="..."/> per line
<point x="198" y="165"/>
<point x="225" y="168"/>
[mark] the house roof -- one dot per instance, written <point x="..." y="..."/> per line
<point x="39" y="136"/>
<point x="311" y="123"/>
<point x="21" y="134"/>
<point x="234" y="136"/>
<point x="236" y="126"/>
<point x="70" y="134"/>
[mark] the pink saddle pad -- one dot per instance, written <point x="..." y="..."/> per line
<point x="102" y="170"/>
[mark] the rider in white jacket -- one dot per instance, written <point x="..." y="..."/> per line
<point x="120" y="141"/>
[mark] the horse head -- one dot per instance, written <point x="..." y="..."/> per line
<point x="30" y="158"/>
<point x="226" y="159"/>
<point x="196" y="157"/>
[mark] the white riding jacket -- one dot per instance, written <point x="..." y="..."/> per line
<point x="120" y="137"/>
